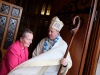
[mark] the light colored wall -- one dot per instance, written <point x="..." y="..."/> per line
<point x="98" y="67"/>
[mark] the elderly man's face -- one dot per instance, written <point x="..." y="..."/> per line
<point x="52" y="33"/>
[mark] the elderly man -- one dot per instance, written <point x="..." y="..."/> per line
<point x="48" y="55"/>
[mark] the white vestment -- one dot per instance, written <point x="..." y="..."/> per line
<point x="46" y="63"/>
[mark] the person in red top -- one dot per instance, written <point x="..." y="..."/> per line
<point x="16" y="52"/>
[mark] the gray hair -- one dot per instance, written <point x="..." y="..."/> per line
<point x="26" y="31"/>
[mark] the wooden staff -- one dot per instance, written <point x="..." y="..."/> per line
<point x="74" y="32"/>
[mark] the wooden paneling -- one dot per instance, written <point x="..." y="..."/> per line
<point x="66" y="11"/>
<point x="94" y="46"/>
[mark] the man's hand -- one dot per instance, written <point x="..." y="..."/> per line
<point x="64" y="62"/>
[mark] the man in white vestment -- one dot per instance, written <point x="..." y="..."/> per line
<point x="52" y="41"/>
<point x="48" y="55"/>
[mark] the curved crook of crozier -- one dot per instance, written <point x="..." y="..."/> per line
<point x="76" y="28"/>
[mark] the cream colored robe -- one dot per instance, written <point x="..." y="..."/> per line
<point x="45" y="63"/>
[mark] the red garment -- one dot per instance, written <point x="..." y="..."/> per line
<point x="14" y="56"/>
